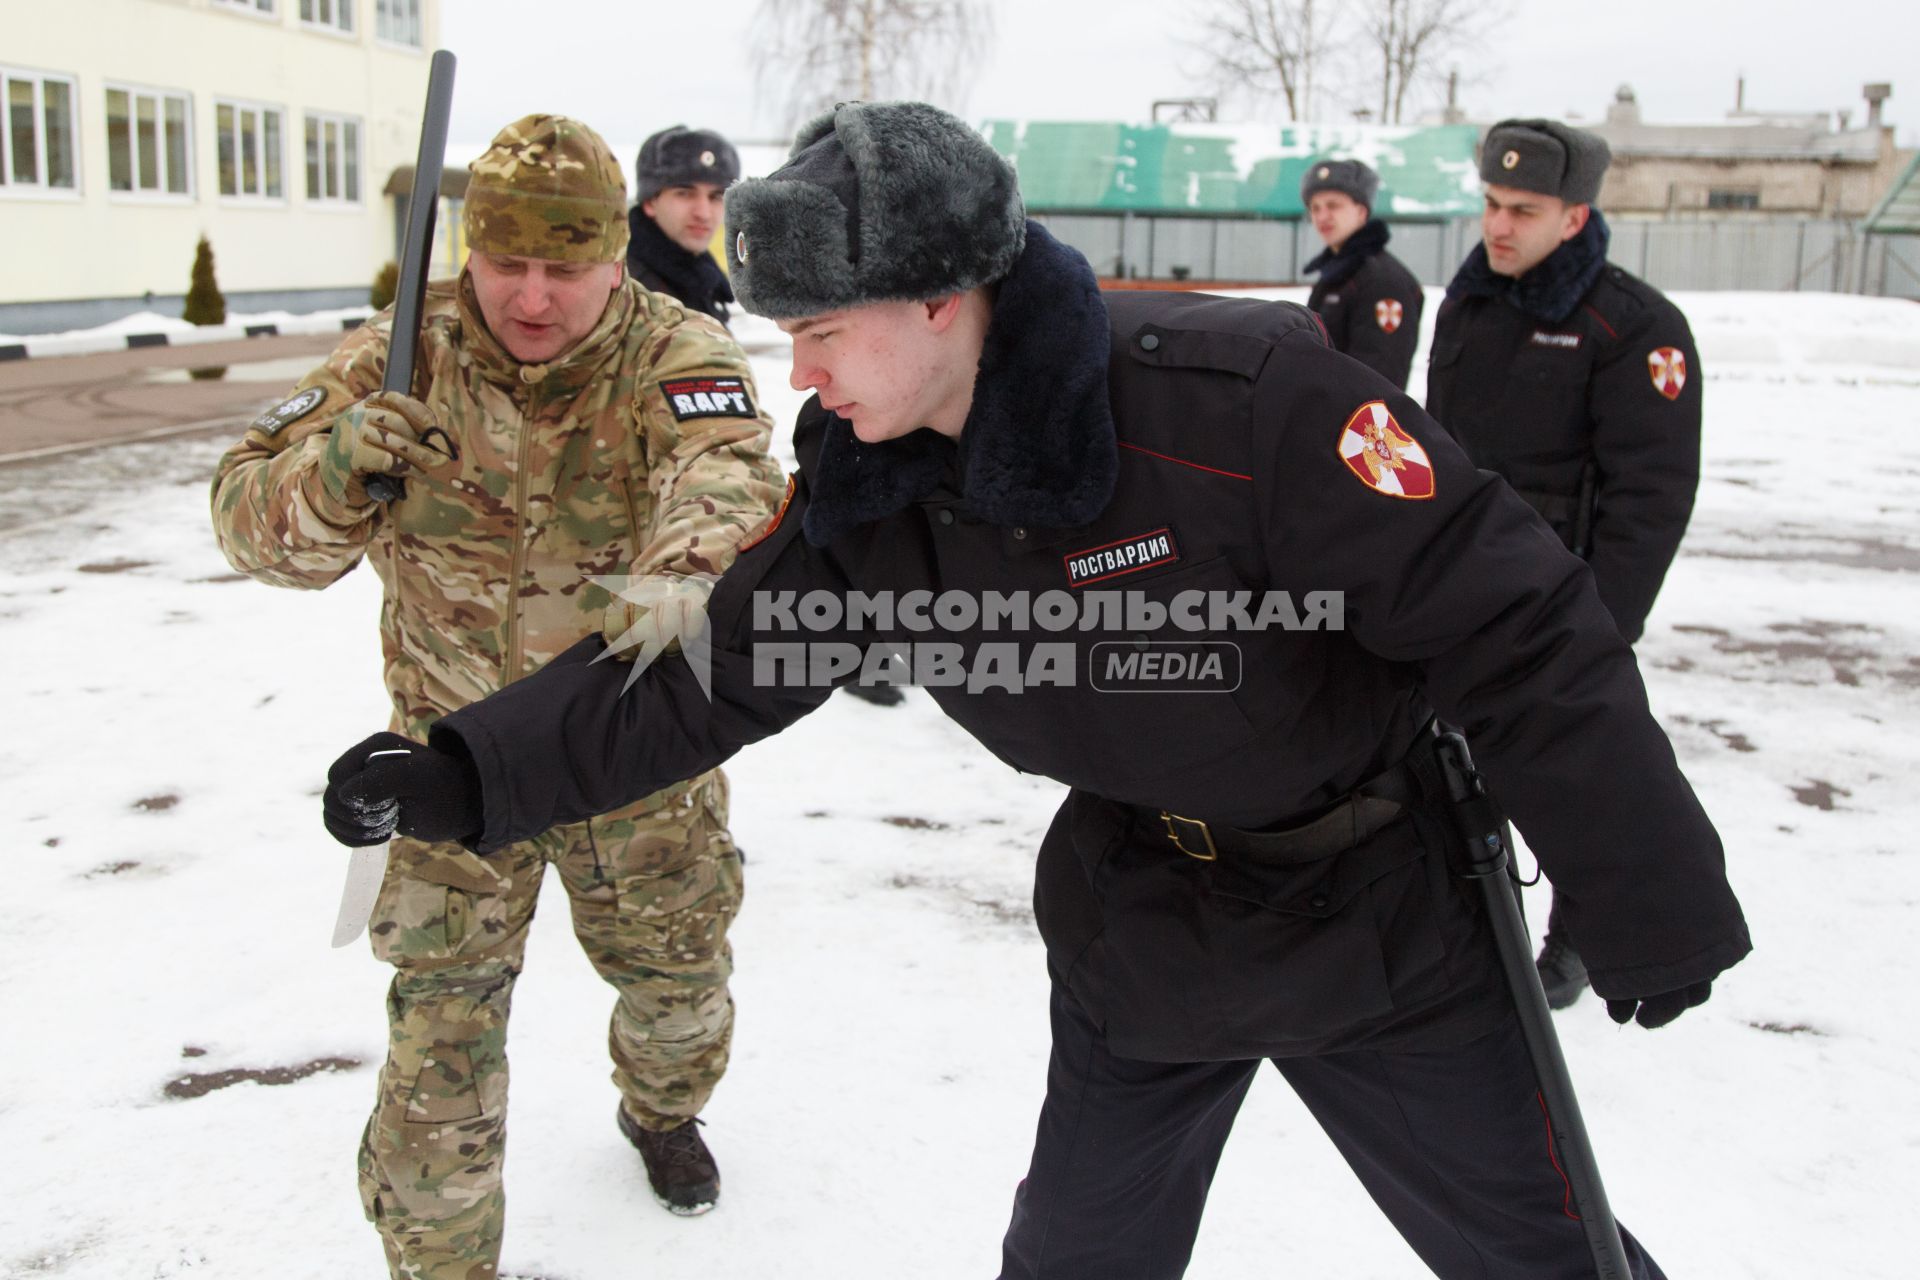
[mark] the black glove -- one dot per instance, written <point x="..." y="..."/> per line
<point x="389" y="783"/>
<point x="1658" y="1011"/>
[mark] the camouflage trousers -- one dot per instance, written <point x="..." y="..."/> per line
<point x="653" y="889"/>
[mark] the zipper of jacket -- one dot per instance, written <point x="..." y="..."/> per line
<point x="517" y="564"/>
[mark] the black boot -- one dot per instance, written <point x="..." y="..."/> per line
<point x="1562" y="973"/>
<point x="679" y="1167"/>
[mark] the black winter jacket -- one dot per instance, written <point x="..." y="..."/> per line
<point x="1154" y="446"/>
<point x="662" y="266"/>
<point x="1370" y="303"/>
<point x="1580" y="384"/>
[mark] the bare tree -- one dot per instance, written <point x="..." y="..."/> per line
<point x="1267" y="48"/>
<point x="811" y="54"/>
<point x="1408" y="41"/>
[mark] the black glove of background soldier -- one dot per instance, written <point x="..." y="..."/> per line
<point x="389" y="784"/>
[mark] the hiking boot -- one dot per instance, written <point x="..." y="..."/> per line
<point x="1563" y="975"/>
<point x="680" y="1169"/>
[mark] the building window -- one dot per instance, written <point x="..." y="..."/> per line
<point x="1732" y="198"/>
<point x="251" y="6"/>
<point x="36" y="143"/>
<point x="249" y="140"/>
<point x="336" y="15"/>
<point x="148" y="142"/>
<point x="398" y="21"/>
<point x="333" y="158"/>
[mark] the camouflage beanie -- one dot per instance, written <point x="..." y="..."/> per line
<point x="548" y="187"/>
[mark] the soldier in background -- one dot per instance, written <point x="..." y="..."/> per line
<point x="681" y="178"/>
<point x="564" y="424"/>
<point x="1365" y="296"/>
<point x="1575" y="381"/>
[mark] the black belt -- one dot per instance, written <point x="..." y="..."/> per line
<point x="1366" y="809"/>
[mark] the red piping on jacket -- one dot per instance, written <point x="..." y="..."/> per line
<point x="1183" y="462"/>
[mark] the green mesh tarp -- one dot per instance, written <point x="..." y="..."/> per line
<point x="1232" y="169"/>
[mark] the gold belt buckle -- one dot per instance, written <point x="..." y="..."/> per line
<point x="1173" y="834"/>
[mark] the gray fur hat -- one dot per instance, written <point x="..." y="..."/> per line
<point x="1546" y="156"/>
<point x="878" y="202"/>
<point x="679" y="157"/>
<point x="1349" y="177"/>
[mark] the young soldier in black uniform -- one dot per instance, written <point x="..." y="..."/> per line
<point x="1575" y="381"/>
<point x="1365" y="296"/>
<point x="680" y="179"/>
<point x="999" y="464"/>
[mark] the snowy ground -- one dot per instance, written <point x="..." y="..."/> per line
<point x="169" y="894"/>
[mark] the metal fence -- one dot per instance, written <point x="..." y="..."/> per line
<point x="1782" y="255"/>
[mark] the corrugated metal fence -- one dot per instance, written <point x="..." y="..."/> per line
<point x="1782" y="255"/>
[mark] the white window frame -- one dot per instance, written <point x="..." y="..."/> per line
<point x="39" y="188"/>
<point x="343" y="24"/>
<point x="136" y="193"/>
<point x="267" y="10"/>
<point x="320" y="120"/>
<point x="389" y="14"/>
<point x="263" y="109"/>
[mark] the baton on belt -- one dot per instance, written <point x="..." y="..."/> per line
<point x="1484" y="859"/>
<point x="416" y="250"/>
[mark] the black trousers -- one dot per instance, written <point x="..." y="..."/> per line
<point x="1452" y="1145"/>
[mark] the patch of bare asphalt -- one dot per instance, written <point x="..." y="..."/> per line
<point x="1851" y="653"/>
<point x="156" y="804"/>
<point x="1736" y="741"/>
<point x="196" y="1084"/>
<point x="1819" y="794"/>
<point x="114" y="566"/>
<point x="999" y="910"/>
<point x="912" y="823"/>
<point x="112" y="868"/>
<point x="1877" y="554"/>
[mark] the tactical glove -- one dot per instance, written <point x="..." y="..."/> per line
<point x="390" y="784"/>
<point x="384" y="434"/>
<point x="1658" y="1011"/>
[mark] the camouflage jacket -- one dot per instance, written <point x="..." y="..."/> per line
<point x="599" y="463"/>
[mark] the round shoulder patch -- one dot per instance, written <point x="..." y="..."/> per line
<point x="290" y="411"/>
<point x="1383" y="456"/>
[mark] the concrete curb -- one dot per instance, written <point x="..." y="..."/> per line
<point x="81" y="344"/>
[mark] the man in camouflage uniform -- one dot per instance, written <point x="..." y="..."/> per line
<point x="564" y="425"/>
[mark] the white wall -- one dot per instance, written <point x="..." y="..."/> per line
<point x="101" y="243"/>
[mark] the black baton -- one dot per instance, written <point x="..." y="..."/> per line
<point x="1484" y="859"/>
<point x="416" y="250"/>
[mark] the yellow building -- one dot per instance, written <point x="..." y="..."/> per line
<point x="134" y="127"/>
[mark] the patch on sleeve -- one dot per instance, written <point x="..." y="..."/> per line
<point x="1128" y="555"/>
<point x="288" y="412"/>
<point x="1389" y="313"/>
<point x="1667" y="366"/>
<point x="1378" y="450"/>
<point x="753" y="540"/>
<point x="690" y="398"/>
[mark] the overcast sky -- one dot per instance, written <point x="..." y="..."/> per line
<point x="630" y="67"/>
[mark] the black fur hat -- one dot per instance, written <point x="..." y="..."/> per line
<point x="1546" y="156"/>
<point x="679" y="157"/>
<point x="878" y="202"/>
<point x="1349" y="177"/>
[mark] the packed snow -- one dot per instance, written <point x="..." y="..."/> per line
<point x="170" y="893"/>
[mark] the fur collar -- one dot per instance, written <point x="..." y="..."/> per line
<point x="692" y="277"/>
<point x="1038" y="447"/>
<point x="1336" y="266"/>
<point x="1552" y="290"/>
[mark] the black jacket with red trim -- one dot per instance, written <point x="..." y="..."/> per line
<point x="1369" y="302"/>
<point x="1589" y="406"/>
<point x="1171" y="451"/>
